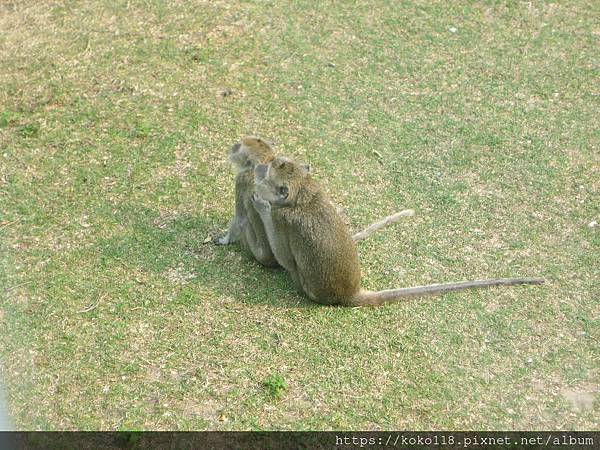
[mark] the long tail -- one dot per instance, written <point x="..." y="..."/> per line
<point x="381" y="223"/>
<point x="370" y="298"/>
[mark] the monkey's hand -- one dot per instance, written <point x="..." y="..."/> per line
<point x="262" y="206"/>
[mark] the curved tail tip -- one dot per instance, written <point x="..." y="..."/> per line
<point x="404" y="213"/>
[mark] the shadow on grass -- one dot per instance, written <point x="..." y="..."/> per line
<point x="175" y="246"/>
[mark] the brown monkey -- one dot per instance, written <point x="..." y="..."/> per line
<point x="246" y="225"/>
<point x="311" y="242"/>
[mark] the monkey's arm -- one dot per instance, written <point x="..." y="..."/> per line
<point x="381" y="223"/>
<point x="256" y="239"/>
<point x="263" y="208"/>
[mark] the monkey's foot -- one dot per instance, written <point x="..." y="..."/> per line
<point x="222" y="240"/>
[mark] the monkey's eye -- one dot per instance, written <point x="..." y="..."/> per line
<point x="283" y="191"/>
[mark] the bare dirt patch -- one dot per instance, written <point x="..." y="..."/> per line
<point x="581" y="399"/>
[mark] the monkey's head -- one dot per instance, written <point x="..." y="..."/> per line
<point x="280" y="181"/>
<point x="250" y="151"/>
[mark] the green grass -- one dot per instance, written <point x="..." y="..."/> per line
<point x="483" y="117"/>
<point x="275" y="386"/>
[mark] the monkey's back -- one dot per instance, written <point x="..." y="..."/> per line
<point x="325" y="255"/>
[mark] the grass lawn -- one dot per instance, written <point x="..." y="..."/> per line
<point x="114" y="122"/>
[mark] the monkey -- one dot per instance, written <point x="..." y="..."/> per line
<point x="310" y="241"/>
<point x="246" y="225"/>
